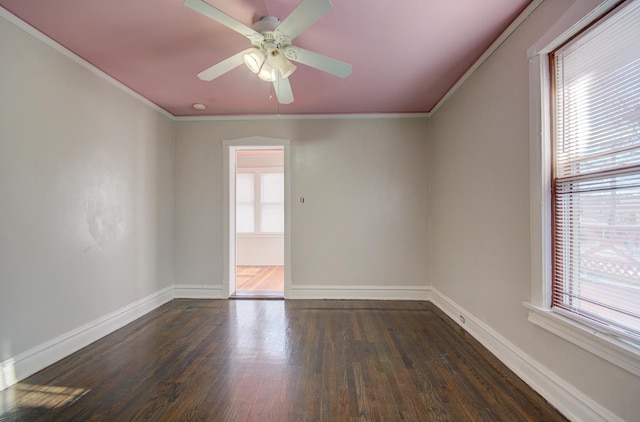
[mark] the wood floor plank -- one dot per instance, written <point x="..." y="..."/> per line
<point x="203" y="360"/>
<point x="255" y="278"/>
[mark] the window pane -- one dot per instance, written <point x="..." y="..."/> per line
<point x="596" y="268"/>
<point x="599" y="249"/>
<point x="244" y="218"/>
<point x="244" y="187"/>
<point x="272" y="218"/>
<point x="272" y="188"/>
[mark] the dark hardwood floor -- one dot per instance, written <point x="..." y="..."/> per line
<point x="225" y="360"/>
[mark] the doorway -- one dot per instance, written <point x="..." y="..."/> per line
<point x="257" y="220"/>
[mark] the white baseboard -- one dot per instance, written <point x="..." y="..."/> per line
<point x="27" y="363"/>
<point x="565" y="397"/>
<point x="33" y="360"/>
<point x="359" y="292"/>
<point x="197" y="291"/>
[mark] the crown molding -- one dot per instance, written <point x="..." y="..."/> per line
<point x="4" y="13"/>
<point x="304" y="117"/>
<point x="10" y="17"/>
<point x="488" y="53"/>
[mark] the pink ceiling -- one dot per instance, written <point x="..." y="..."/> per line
<point x="406" y="54"/>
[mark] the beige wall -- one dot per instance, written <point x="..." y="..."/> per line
<point x="86" y="184"/>
<point x="86" y="195"/>
<point x="364" y="183"/>
<point x="480" y="215"/>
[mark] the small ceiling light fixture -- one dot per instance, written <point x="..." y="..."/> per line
<point x="199" y="106"/>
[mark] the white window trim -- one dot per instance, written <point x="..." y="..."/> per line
<point x="598" y="340"/>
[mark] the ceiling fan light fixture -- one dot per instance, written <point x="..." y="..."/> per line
<point x="270" y="38"/>
<point x="254" y="59"/>
<point x="277" y="60"/>
<point x="287" y="69"/>
<point x="267" y="73"/>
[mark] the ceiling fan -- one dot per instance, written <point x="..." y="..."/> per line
<point x="272" y="51"/>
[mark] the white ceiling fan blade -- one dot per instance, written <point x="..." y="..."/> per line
<point x="304" y="16"/>
<point x="283" y="90"/>
<point x="219" y="16"/>
<point x="223" y="67"/>
<point x="318" y="61"/>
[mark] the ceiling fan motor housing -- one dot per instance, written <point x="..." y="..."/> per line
<point x="267" y="26"/>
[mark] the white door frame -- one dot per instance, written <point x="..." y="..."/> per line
<point x="229" y="205"/>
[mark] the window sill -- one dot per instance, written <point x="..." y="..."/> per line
<point x="266" y="235"/>
<point x="608" y="347"/>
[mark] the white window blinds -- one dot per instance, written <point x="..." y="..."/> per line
<point x="245" y="212"/>
<point x="260" y="202"/>
<point x="272" y="203"/>
<point x="596" y="180"/>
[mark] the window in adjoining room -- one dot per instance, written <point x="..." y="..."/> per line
<point x="260" y="201"/>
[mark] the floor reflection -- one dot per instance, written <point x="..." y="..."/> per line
<point x="260" y="330"/>
<point x="38" y="396"/>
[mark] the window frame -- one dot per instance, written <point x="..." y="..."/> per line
<point x="257" y="199"/>
<point x="573" y="328"/>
